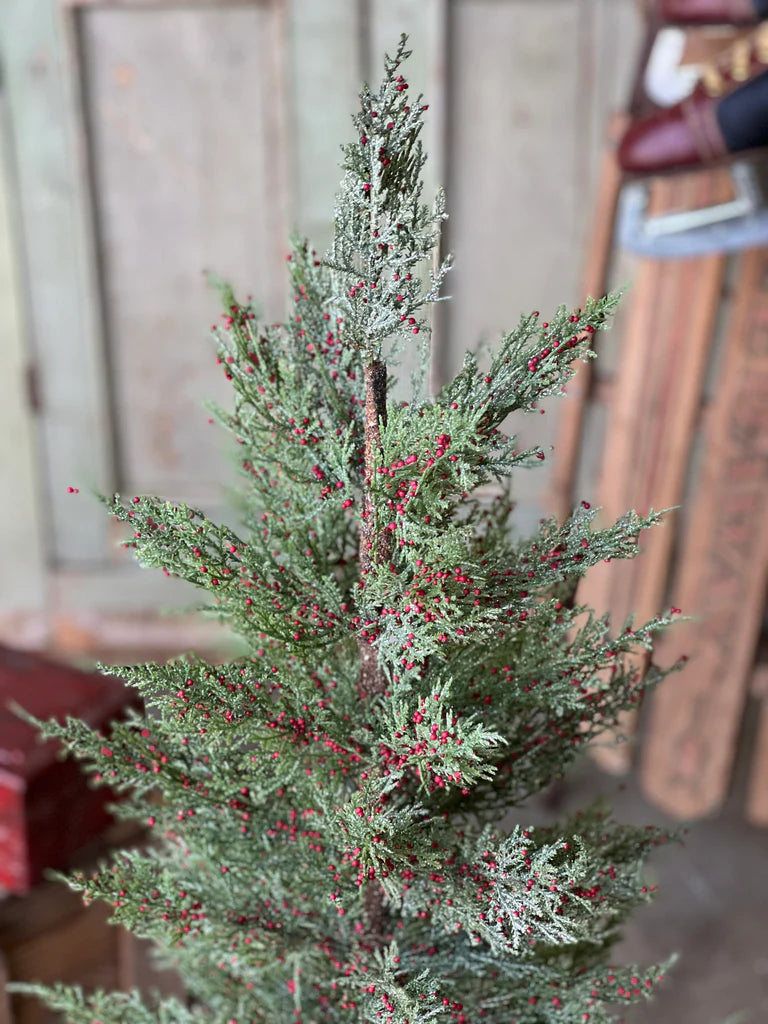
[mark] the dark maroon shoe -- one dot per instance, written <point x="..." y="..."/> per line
<point x="726" y="113"/>
<point x="708" y="12"/>
<point x="685" y="135"/>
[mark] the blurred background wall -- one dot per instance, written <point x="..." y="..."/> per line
<point x="145" y="141"/>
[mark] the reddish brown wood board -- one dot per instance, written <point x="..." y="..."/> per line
<point x="657" y="397"/>
<point x="47" y="809"/>
<point x="722" y="575"/>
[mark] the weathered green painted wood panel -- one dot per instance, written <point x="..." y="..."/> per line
<point x="200" y="132"/>
<point x="22" y="578"/>
<point x="186" y="175"/>
<point x="514" y="195"/>
<point x="325" y="68"/>
<point x="527" y="100"/>
<point x="63" y="315"/>
<point x="513" y="147"/>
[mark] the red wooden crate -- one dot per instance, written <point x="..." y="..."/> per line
<point x="47" y="809"/>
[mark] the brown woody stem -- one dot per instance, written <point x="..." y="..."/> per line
<point x="375" y="549"/>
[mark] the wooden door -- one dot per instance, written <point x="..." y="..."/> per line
<point x="146" y="140"/>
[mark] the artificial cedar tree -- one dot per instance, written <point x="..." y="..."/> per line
<point x="327" y="813"/>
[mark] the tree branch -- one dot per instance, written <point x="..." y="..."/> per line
<point x="375" y="547"/>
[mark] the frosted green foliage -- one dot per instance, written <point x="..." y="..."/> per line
<point x="327" y="851"/>
<point x="383" y="230"/>
<point x="80" y="1009"/>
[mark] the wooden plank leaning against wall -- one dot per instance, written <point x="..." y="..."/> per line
<point x="694" y="729"/>
<point x="651" y="428"/>
<point x="721" y="575"/>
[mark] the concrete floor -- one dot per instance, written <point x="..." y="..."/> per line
<point x="711" y="908"/>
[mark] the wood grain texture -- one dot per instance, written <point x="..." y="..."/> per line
<point x="325" y="69"/>
<point x="22" y="549"/>
<point x="63" y="319"/>
<point x="142" y="113"/>
<point x="722" y="575"/>
<point x="516" y="206"/>
<point x="184" y="164"/>
<point x="651" y="428"/>
<point x="529" y="88"/>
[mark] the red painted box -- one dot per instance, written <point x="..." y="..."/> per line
<point x="47" y="809"/>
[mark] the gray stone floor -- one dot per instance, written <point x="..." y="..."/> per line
<point x="711" y="908"/>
